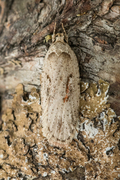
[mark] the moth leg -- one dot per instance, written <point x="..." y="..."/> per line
<point x="54" y="36"/>
<point x="66" y="36"/>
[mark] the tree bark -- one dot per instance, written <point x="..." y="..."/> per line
<point x="93" y="29"/>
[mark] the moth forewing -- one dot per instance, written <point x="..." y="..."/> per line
<point x="60" y="93"/>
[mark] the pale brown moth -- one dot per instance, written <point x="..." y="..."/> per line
<point x="60" y="92"/>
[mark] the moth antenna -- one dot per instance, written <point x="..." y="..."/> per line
<point x="53" y="36"/>
<point x="66" y="36"/>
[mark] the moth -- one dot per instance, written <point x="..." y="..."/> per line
<point x="60" y="92"/>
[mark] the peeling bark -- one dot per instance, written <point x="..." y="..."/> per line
<point x="93" y="29"/>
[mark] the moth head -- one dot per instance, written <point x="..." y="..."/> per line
<point x="62" y="37"/>
<point x="58" y="37"/>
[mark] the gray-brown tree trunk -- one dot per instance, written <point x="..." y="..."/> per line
<point x="93" y="28"/>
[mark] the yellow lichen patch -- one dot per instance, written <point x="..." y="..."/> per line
<point x="11" y="172"/>
<point x="3" y="136"/>
<point x="111" y="114"/>
<point x="83" y="86"/>
<point x="9" y="126"/>
<point x="47" y="38"/>
<point x="19" y="147"/>
<point x="33" y="102"/>
<point x="93" y="100"/>
<point x="103" y="146"/>
<point x="7" y="115"/>
<point x="23" y="122"/>
<point x="19" y="89"/>
<point x="3" y="174"/>
<point x="27" y="149"/>
<point x="24" y="150"/>
<point x="34" y="94"/>
<point x="3" y="154"/>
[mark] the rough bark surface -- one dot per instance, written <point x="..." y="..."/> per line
<point x="93" y="29"/>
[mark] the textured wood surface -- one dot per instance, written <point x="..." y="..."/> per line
<point x="93" y="29"/>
